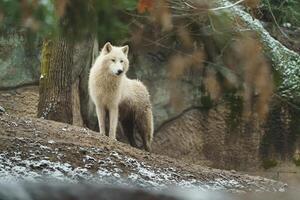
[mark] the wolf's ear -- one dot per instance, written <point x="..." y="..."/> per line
<point x="107" y="48"/>
<point x="125" y="49"/>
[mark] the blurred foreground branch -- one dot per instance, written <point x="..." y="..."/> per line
<point x="284" y="61"/>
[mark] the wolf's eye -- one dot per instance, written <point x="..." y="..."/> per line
<point x="121" y="61"/>
<point x="114" y="60"/>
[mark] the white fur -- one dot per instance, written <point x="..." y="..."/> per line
<point x="109" y="90"/>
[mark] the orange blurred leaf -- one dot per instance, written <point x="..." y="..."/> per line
<point x="145" y="5"/>
<point x="252" y="3"/>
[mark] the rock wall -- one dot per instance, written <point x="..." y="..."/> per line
<point x="19" y="60"/>
<point x="204" y="137"/>
<point x="217" y="136"/>
<point x="151" y="68"/>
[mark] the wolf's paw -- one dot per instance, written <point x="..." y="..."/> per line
<point x="112" y="138"/>
<point x="102" y="134"/>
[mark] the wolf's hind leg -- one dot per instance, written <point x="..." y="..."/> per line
<point x="144" y="125"/>
<point x="128" y="127"/>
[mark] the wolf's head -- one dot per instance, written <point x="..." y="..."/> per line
<point x="115" y="59"/>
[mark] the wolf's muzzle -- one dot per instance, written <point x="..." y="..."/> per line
<point x="119" y="72"/>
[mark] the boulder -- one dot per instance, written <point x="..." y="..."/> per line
<point x="19" y="60"/>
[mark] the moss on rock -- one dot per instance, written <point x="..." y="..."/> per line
<point x="269" y="163"/>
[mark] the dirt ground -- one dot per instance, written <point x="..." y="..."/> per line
<point x="20" y="128"/>
<point x="21" y="101"/>
<point x="52" y="142"/>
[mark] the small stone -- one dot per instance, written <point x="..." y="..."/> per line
<point x="82" y="150"/>
<point x="6" y="95"/>
<point x="51" y="141"/>
<point x="2" y="110"/>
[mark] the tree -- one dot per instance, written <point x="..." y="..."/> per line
<point x="63" y="76"/>
<point x="55" y="101"/>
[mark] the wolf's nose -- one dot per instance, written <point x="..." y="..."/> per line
<point x="119" y="72"/>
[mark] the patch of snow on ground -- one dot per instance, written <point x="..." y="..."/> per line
<point x="108" y="171"/>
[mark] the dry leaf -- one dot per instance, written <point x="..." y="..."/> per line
<point x="257" y="76"/>
<point x="145" y="5"/>
<point x="161" y="15"/>
<point x="252" y="3"/>
<point x="185" y="37"/>
<point x="177" y="66"/>
<point x="60" y="7"/>
<point x="212" y="85"/>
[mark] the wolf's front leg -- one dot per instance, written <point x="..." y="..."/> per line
<point x="101" y="114"/>
<point x="113" y="121"/>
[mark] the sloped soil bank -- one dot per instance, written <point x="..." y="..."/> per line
<point x="35" y="149"/>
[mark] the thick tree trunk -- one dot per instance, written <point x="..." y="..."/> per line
<point x="82" y="62"/>
<point x="87" y="107"/>
<point x="55" y="101"/>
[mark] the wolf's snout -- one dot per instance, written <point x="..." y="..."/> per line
<point x="119" y="71"/>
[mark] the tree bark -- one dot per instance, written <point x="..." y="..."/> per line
<point x="82" y="62"/>
<point x="55" y="102"/>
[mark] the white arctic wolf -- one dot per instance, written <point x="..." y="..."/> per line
<point x="115" y="94"/>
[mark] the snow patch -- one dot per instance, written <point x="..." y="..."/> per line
<point x="115" y="169"/>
